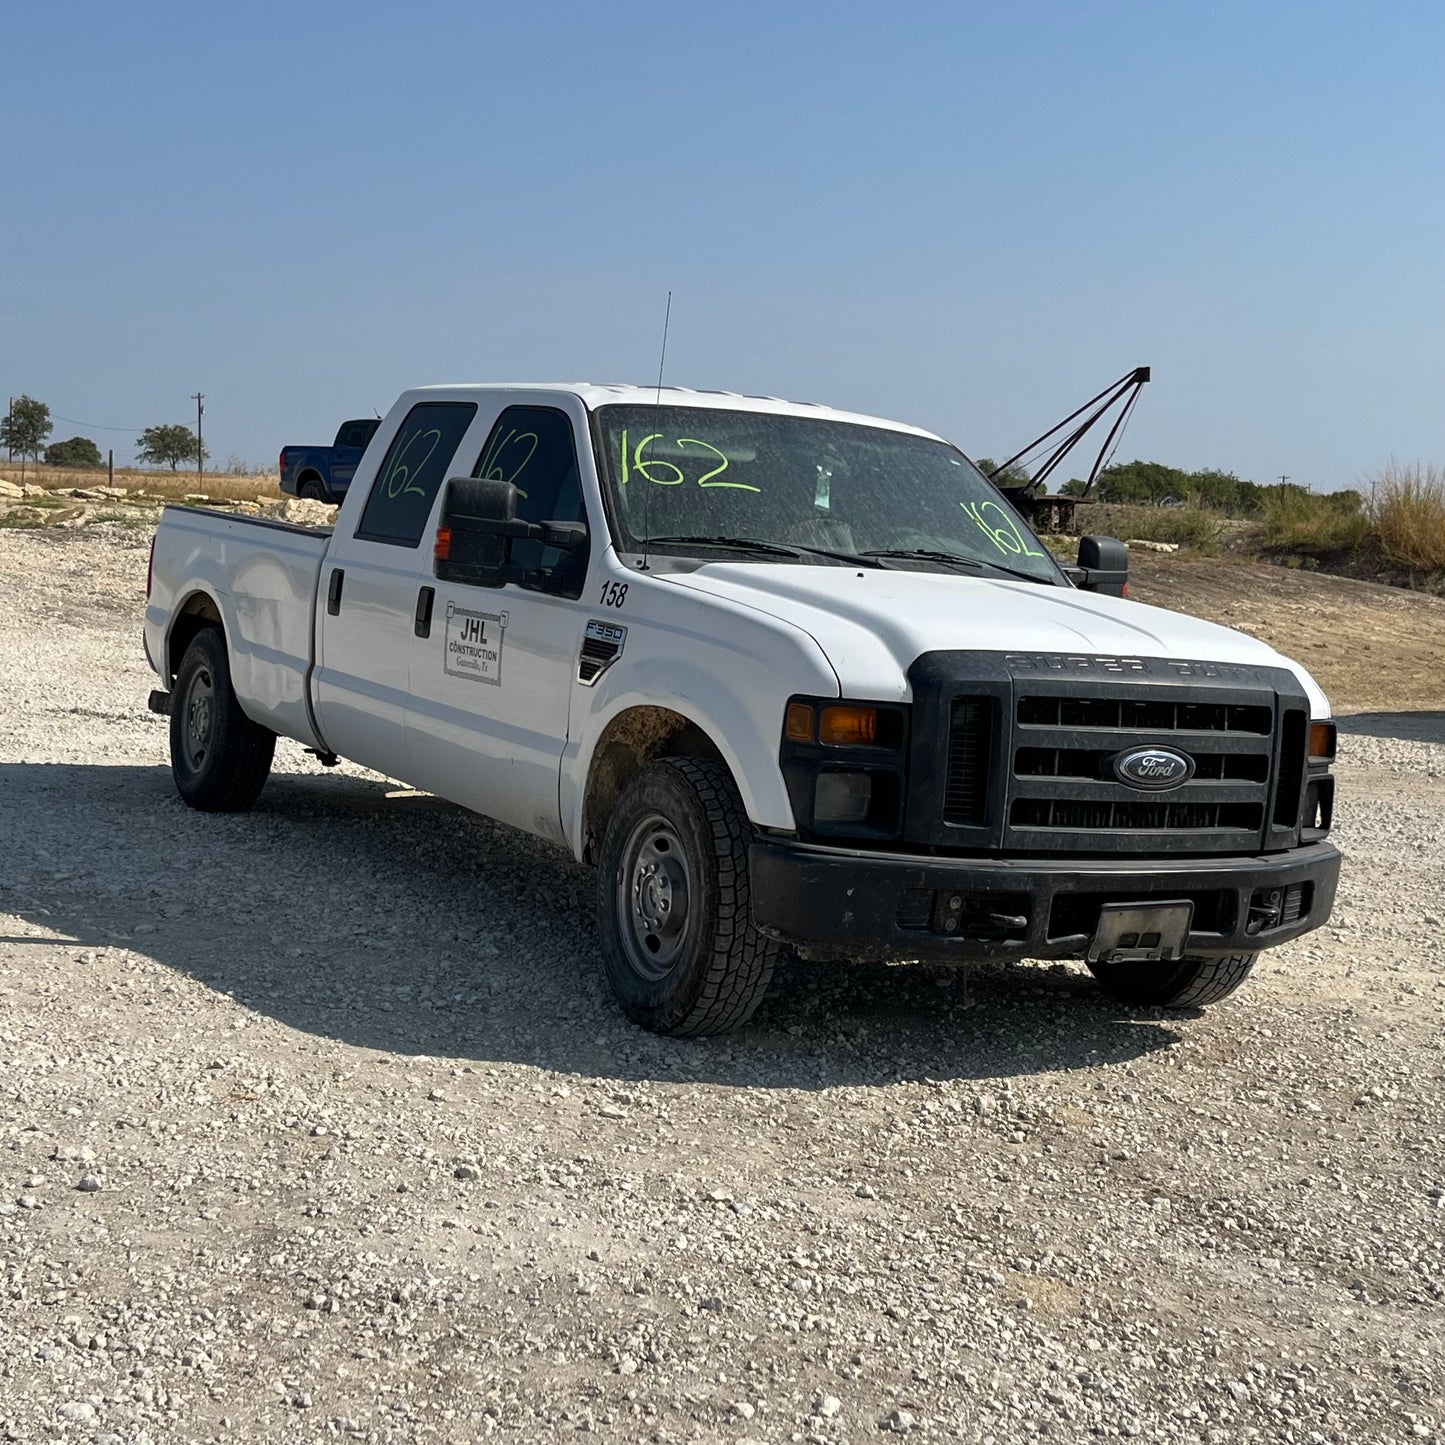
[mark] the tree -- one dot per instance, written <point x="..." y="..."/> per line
<point x="24" y="428"/>
<point x="1143" y="484"/>
<point x="1013" y="476"/>
<point x="77" y="452"/>
<point x="168" y="445"/>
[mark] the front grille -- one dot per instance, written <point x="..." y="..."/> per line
<point x="1065" y="796"/>
<point x="965" y="791"/>
<point x="1022" y="755"/>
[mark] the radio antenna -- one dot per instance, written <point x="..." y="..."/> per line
<point x="656" y="407"/>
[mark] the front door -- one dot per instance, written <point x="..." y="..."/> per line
<point x="491" y="685"/>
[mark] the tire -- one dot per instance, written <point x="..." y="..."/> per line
<point x="678" y="945"/>
<point x="220" y="759"/>
<point x="311" y="490"/>
<point x="1192" y="982"/>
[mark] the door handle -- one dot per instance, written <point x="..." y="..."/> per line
<point x="422" y="625"/>
<point x="333" y="591"/>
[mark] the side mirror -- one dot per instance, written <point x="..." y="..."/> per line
<point x="473" y="541"/>
<point x="1103" y="567"/>
<point x="477" y="527"/>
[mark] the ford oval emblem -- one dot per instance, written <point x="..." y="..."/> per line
<point x="1153" y="769"/>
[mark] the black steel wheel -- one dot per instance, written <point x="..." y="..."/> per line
<point x="220" y="759"/>
<point x="678" y="945"/>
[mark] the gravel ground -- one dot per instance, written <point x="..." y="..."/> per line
<point x="317" y="1123"/>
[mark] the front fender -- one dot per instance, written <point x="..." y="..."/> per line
<point x="744" y="722"/>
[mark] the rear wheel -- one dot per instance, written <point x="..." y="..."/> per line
<point x="311" y="490"/>
<point x="1190" y="982"/>
<point x="220" y="759"/>
<point x="678" y="945"/>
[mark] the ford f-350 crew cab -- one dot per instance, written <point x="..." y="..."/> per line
<point x="788" y="676"/>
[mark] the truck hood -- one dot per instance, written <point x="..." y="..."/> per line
<point x="872" y="624"/>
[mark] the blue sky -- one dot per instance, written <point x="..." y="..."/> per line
<point x="968" y="216"/>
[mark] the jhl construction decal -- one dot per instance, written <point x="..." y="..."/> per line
<point x="474" y="644"/>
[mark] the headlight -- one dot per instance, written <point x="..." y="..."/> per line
<point x="845" y="765"/>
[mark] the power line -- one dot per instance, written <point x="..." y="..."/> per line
<point x="94" y="425"/>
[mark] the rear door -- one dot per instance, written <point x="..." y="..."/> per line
<point x="369" y="588"/>
<point x="491" y="686"/>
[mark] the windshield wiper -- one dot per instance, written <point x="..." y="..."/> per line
<point x="925" y="554"/>
<point x="773" y="549"/>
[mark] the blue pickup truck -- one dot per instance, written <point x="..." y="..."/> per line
<point x="324" y="473"/>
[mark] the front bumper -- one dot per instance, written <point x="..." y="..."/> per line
<point x="848" y="903"/>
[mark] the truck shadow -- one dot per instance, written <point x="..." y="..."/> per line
<point x="1418" y="727"/>
<point x="359" y="911"/>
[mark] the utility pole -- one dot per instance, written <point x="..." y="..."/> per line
<point x="199" y="397"/>
<point x="1283" y="479"/>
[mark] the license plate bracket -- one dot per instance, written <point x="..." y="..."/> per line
<point x="1142" y="932"/>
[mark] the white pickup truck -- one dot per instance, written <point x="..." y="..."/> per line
<point x="789" y="677"/>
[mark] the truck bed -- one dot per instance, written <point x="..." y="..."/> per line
<point x="261" y="576"/>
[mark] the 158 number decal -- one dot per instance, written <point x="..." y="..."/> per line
<point x="614" y="594"/>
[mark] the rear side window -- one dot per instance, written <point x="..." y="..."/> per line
<point x="356" y="433"/>
<point x="412" y="472"/>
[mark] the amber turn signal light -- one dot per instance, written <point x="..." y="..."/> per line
<point x="1322" y="742"/>
<point x="442" y="547"/>
<point x="848" y="725"/>
<point x="798" y="723"/>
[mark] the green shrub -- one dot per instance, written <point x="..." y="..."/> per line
<point x="1313" y="521"/>
<point x="20" y="521"/>
<point x="1188" y="526"/>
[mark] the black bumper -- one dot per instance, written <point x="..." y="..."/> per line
<point x="846" y="903"/>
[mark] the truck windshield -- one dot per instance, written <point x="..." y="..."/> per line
<point x="833" y="491"/>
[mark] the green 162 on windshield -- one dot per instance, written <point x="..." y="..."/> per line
<point x="663" y="473"/>
<point x="1003" y="530"/>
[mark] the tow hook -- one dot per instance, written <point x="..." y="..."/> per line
<point x="1265" y="911"/>
<point x="159" y="702"/>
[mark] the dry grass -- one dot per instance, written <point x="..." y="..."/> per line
<point x="1400" y="523"/>
<point x="166" y="485"/>
<point x="1407" y="508"/>
<point x="1312" y="522"/>
<point x="1191" y="526"/>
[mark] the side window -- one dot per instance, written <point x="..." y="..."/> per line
<point x="412" y="472"/>
<point x="355" y="434"/>
<point x="533" y="448"/>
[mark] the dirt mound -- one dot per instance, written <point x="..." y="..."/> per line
<point x="1369" y="646"/>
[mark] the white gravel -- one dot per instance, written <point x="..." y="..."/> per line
<point x="317" y="1123"/>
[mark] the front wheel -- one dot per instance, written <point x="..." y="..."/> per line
<point x="220" y="759"/>
<point x="1189" y="982"/>
<point x="678" y="944"/>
